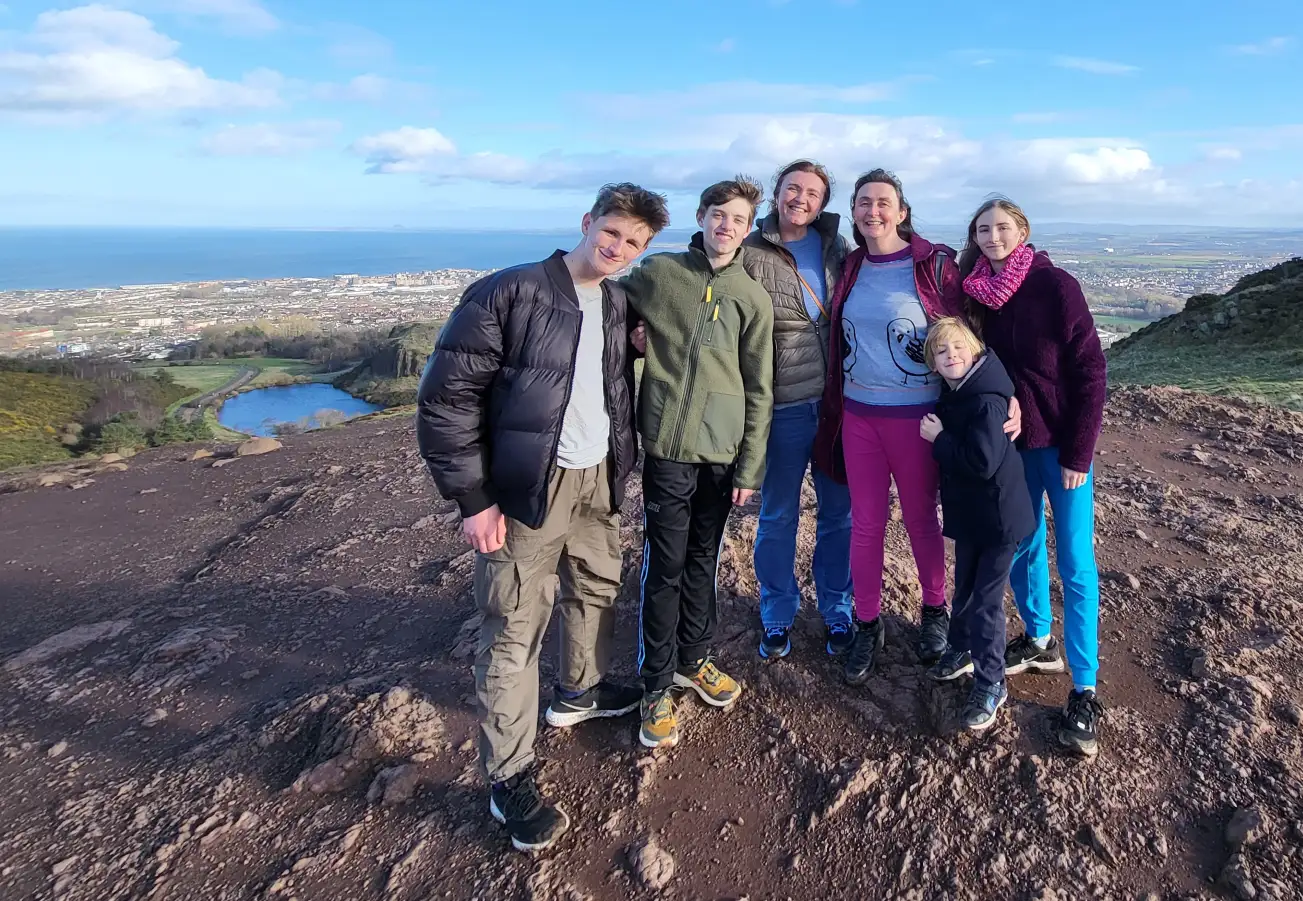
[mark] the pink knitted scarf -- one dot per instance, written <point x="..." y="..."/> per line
<point x="992" y="290"/>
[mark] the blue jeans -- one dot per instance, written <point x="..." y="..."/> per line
<point x="791" y="440"/>
<point x="1074" y="536"/>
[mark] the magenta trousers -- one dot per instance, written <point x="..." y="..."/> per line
<point x="879" y="448"/>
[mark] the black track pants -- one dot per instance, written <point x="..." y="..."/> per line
<point x="685" y="507"/>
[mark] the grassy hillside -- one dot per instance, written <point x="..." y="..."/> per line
<point x="1246" y="342"/>
<point x="34" y="409"/>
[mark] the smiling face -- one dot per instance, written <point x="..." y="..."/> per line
<point x="877" y="212"/>
<point x="724" y="225"/>
<point x="952" y="357"/>
<point x="801" y="198"/>
<point x="998" y="234"/>
<point x="613" y="242"/>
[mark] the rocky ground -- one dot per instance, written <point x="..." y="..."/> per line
<point x="248" y="677"/>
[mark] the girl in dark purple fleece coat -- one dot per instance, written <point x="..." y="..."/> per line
<point x="1034" y="316"/>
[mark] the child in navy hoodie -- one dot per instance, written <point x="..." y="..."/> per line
<point x="985" y="507"/>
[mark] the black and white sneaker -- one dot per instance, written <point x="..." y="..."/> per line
<point x="869" y="639"/>
<point x="776" y="643"/>
<point x="602" y="700"/>
<point x="532" y="821"/>
<point x="840" y="638"/>
<point x="952" y="665"/>
<point x="984" y="702"/>
<point x="1022" y="655"/>
<point x="1079" y="722"/>
<point x="933" y="635"/>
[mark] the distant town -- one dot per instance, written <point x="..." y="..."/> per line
<point x="1129" y="281"/>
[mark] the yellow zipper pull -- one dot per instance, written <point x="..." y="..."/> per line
<point x="708" y="287"/>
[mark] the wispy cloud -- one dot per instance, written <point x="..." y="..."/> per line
<point x="1269" y="47"/>
<point x="92" y="61"/>
<point x="1038" y="118"/>
<point x="244" y="16"/>
<point x="728" y="45"/>
<point x="1223" y="154"/>
<point x="743" y="96"/>
<point x="369" y="88"/>
<point x="1094" y="66"/>
<point x="406" y="149"/>
<point x="270" y="139"/>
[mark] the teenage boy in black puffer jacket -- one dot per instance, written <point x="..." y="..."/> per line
<point x="985" y="504"/>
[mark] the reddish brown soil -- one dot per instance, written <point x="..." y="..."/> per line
<point x="258" y="605"/>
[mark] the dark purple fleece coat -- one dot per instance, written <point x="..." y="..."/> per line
<point x="1046" y="338"/>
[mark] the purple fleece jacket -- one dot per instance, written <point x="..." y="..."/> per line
<point x="1046" y="338"/>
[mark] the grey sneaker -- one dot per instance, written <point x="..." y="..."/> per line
<point x="952" y="665"/>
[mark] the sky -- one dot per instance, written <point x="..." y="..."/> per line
<point x="512" y="113"/>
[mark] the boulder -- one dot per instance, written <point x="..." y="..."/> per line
<point x="111" y="458"/>
<point x="201" y="454"/>
<point x="255" y="446"/>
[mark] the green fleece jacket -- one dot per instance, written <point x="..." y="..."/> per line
<point x="707" y="381"/>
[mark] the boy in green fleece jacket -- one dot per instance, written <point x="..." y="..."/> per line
<point x="703" y="412"/>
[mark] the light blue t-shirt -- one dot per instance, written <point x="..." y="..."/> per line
<point x="809" y="263"/>
<point x="885" y="328"/>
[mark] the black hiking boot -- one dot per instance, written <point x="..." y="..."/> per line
<point x="1079" y="722"/>
<point x="869" y="639"/>
<point x="933" y="635"/>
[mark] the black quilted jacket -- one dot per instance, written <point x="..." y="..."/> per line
<point x="494" y="391"/>
<point x="800" y="345"/>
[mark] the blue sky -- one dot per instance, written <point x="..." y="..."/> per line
<point x="511" y="114"/>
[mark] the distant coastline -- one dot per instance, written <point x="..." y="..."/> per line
<point x="51" y="259"/>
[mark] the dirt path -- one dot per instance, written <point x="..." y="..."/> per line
<point x="196" y="406"/>
<point x="267" y="636"/>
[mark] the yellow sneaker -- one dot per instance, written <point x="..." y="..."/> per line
<point x="716" y="688"/>
<point x="659" y="727"/>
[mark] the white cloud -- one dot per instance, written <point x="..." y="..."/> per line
<point x="94" y="60"/>
<point x="270" y="139"/>
<point x="244" y="16"/>
<point x="406" y="149"/>
<point x="1094" y="66"/>
<point x="1269" y="47"/>
<point x="369" y="88"/>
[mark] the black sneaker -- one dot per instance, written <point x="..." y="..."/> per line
<point x="952" y="665"/>
<point x="933" y="634"/>
<point x="984" y="702"/>
<point x="1078" y="723"/>
<point x="1022" y="656"/>
<point x="532" y="821"/>
<point x="775" y="643"/>
<point x="602" y="700"/>
<point x="840" y="638"/>
<point x="868" y="641"/>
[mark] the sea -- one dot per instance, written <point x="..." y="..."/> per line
<point x="82" y="258"/>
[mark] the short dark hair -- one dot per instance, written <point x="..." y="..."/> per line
<point x="741" y="186"/>
<point x="805" y="166"/>
<point x="883" y="177"/>
<point x="627" y="199"/>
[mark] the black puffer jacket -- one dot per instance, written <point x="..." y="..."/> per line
<point x="984" y="496"/>
<point x="800" y="345"/>
<point x="495" y="389"/>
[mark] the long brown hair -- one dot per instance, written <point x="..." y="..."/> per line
<point x="971" y="253"/>
<point x="804" y="165"/>
<point x="883" y="177"/>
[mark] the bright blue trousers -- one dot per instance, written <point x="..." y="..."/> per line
<point x="1074" y="537"/>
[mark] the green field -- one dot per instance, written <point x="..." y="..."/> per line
<point x="209" y="375"/>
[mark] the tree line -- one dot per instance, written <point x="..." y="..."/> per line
<point x="295" y="338"/>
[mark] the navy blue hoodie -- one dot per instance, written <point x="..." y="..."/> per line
<point x="984" y="496"/>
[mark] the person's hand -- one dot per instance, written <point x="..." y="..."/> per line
<point x="1071" y="478"/>
<point x="930" y="427"/>
<point x="1013" y="425"/>
<point x="741" y="496"/>
<point x="486" y="531"/>
<point x="639" y="338"/>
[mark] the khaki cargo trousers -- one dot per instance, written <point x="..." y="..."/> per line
<point x="516" y="588"/>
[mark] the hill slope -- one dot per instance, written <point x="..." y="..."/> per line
<point x="241" y="626"/>
<point x="1248" y="342"/>
<point x="391" y="376"/>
